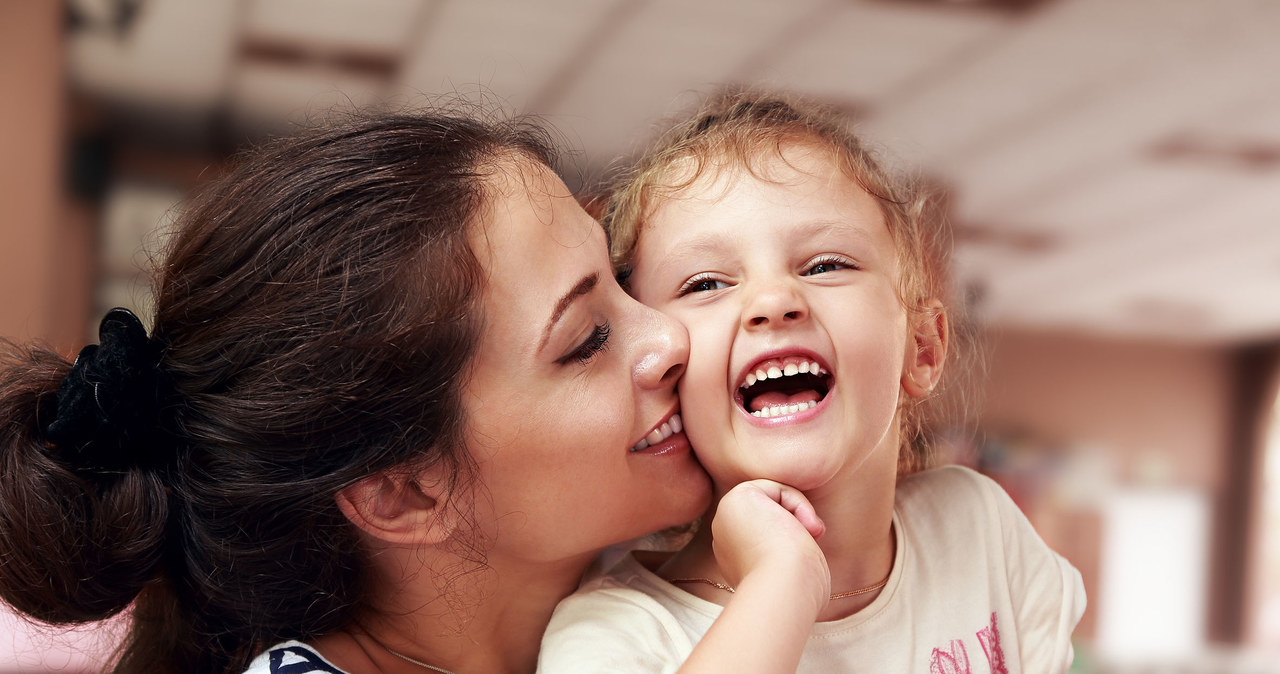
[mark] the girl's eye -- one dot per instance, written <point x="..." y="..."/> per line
<point x="595" y="344"/>
<point x="700" y="284"/>
<point x="825" y="265"/>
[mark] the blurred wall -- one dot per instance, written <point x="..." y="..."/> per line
<point x="1132" y="417"/>
<point x="1159" y="412"/>
<point x="45" y="246"/>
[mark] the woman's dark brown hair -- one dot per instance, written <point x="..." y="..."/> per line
<point x="316" y="312"/>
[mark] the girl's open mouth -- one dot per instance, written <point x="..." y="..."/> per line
<point x="778" y="386"/>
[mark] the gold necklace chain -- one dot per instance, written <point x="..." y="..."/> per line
<point x="838" y="595"/>
<point x="419" y="663"/>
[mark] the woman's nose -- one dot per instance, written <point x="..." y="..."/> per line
<point x="774" y="306"/>
<point x="662" y="350"/>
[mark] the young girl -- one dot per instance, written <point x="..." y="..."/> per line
<point x="813" y="294"/>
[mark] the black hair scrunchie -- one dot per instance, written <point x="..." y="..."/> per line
<point x="108" y="406"/>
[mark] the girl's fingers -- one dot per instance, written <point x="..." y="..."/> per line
<point x="795" y="502"/>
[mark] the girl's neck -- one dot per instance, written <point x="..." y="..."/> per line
<point x="859" y="542"/>
<point x="485" y="620"/>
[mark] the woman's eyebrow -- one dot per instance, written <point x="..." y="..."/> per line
<point x="586" y="285"/>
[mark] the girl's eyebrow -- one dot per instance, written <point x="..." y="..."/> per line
<point x="698" y="246"/>
<point x="584" y="286"/>
<point x="816" y="227"/>
<point x="693" y="248"/>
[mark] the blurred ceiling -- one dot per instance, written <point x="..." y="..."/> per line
<point x="1115" y="164"/>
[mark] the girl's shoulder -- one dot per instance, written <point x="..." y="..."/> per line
<point x="950" y="480"/>
<point x="953" y="494"/>
<point x="291" y="657"/>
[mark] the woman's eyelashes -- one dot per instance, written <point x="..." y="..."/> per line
<point x="595" y="343"/>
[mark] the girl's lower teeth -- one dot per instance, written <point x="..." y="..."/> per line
<point x="779" y="410"/>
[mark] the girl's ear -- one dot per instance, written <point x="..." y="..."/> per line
<point x="401" y="506"/>
<point x="923" y="367"/>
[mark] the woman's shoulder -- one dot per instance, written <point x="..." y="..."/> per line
<point x="291" y="657"/>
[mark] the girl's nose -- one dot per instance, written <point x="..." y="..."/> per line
<point x="773" y="307"/>
<point x="662" y="350"/>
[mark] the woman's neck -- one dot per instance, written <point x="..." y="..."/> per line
<point x="489" y="619"/>
<point x="858" y="543"/>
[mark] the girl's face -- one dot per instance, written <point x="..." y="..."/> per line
<point x="798" y="341"/>
<point x="570" y="375"/>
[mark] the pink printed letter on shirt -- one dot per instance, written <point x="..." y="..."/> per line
<point x="989" y="637"/>
<point x="955" y="662"/>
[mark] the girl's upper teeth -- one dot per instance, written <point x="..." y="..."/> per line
<point x="667" y="429"/>
<point x="787" y="370"/>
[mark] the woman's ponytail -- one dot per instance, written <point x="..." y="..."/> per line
<point x="83" y="506"/>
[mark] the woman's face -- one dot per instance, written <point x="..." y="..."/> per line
<point x="570" y="375"/>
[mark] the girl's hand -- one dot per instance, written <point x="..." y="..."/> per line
<point x="766" y="532"/>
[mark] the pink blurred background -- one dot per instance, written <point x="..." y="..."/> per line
<point x="1114" y="178"/>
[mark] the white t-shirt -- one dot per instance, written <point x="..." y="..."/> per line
<point x="974" y="590"/>
<point x="291" y="657"/>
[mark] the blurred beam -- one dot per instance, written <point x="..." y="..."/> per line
<point x="1235" y="530"/>
<point x="1257" y="155"/>
<point x="1016" y="8"/>
<point x="281" y="53"/>
<point x="43" y="252"/>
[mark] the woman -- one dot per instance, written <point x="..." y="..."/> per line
<point x="392" y="405"/>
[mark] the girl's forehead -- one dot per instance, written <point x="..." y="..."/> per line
<point x="712" y="177"/>
<point x="768" y="161"/>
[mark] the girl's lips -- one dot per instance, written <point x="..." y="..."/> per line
<point x="783" y="383"/>
<point x="666" y="428"/>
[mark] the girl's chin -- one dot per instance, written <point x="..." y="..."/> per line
<point x="813" y="476"/>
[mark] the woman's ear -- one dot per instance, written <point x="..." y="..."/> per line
<point x="923" y="367"/>
<point x="401" y="506"/>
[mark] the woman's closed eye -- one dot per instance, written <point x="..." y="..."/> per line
<point x="700" y="284"/>
<point x="594" y="345"/>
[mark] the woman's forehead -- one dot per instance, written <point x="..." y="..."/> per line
<point x="533" y="228"/>
<point x="520" y="196"/>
